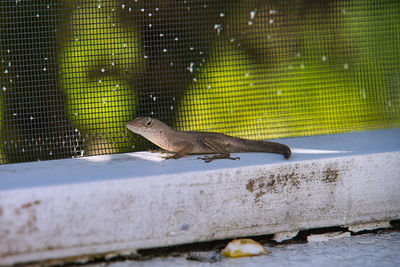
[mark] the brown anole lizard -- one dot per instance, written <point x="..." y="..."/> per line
<point x="183" y="143"/>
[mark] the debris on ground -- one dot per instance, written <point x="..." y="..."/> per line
<point x="244" y="248"/>
<point x="204" y="256"/>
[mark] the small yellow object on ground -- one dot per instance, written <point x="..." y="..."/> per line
<point x="244" y="248"/>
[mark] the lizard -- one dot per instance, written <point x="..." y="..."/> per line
<point x="185" y="142"/>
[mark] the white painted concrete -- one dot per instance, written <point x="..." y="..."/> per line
<point x="100" y="204"/>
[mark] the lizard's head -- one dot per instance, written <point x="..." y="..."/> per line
<point x="146" y="126"/>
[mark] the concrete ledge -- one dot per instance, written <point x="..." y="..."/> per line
<point x="74" y="207"/>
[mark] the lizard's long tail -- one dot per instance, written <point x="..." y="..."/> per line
<point x="269" y="147"/>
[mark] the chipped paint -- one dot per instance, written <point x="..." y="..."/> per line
<point x="292" y="177"/>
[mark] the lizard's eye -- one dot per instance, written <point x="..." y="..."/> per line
<point x="149" y="123"/>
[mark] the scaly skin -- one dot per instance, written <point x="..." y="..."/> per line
<point x="183" y="143"/>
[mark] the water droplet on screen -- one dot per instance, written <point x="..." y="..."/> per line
<point x="363" y="93"/>
<point x="253" y="14"/>
<point x="218" y="28"/>
<point x="190" y="68"/>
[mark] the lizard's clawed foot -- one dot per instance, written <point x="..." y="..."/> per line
<point x="211" y="158"/>
<point x="170" y="157"/>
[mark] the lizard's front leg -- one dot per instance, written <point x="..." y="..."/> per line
<point x="219" y="149"/>
<point x="184" y="151"/>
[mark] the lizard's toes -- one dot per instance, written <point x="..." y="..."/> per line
<point x="170" y="157"/>
<point x="206" y="158"/>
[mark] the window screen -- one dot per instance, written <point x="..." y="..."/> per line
<point x="73" y="73"/>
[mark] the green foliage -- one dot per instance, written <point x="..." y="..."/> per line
<point x="344" y="77"/>
<point x="96" y="61"/>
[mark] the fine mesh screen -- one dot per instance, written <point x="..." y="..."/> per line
<point x="73" y="73"/>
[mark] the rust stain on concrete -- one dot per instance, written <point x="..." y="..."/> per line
<point x="291" y="177"/>
<point x="30" y="204"/>
<point x="330" y="175"/>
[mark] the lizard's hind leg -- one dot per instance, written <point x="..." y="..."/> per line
<point x="221" y="152"/>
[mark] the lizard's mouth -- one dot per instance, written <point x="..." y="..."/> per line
<point x="134" y="128"/>
<point x="131" y="127"/>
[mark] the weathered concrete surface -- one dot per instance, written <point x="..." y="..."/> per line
<point x="368" y="250"/>
<point x="96" y="205"/>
